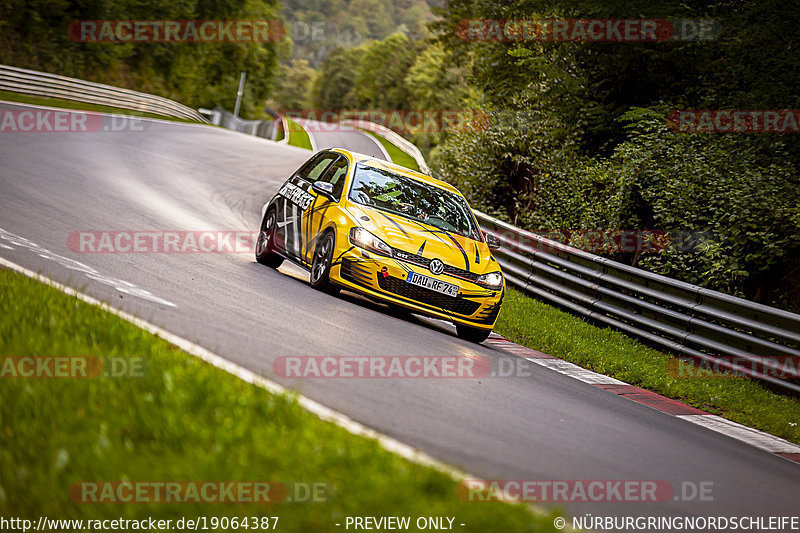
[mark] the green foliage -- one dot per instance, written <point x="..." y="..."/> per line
<point x="333" y="84"/>
<point x="318" y="27"/>
<point x="397" y="73"/>
<point x="746" y="207"/>
<point x="34" y="35"/>
<point x="609" y="352"/>
<point x="292" y="86"/>
<point x="507" y="166"/>
<point x="587" y="145"/>
<point x="396" y="154"/>
<point x="297" y="135"/>
<point x="375" y="83"/>
<point x="185" y="420"/>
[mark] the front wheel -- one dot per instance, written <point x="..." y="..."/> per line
<point x="472" y="334"/>
<point x="321" y="265"/>
<point x="265" y="244"/>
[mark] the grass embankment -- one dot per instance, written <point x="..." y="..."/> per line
<point x="560" y="334"/>
<point x="185" y="420"/>
<point x="396" y="154"/>
<point x="71" y="104"/>
<point x="298" y="135"/>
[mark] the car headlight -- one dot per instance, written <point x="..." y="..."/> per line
<point x="492" y="280"/>
<point x="366" y="240"/>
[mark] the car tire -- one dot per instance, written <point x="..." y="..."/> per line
<point x="321" y="264"/>
<point x="265" y="243"/>
<point x="472" y="334"/>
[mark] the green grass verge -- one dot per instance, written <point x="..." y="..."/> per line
<point x="298" y="135"/>
<point x="560" y="334"/>
<point x="71" y="104"/>
<point x="185" y="420"/>
<point x="398" y="156"/>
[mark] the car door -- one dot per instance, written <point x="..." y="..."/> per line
<point x="295" y="198"/>
<point x="336" y="175"/>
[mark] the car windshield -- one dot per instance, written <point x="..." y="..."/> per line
<point x="412" y="199"/>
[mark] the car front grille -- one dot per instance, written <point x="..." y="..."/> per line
<point x="458" y="305"/>
<point x="425" y="262"/>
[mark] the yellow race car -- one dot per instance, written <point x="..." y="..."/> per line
<point x="389" y="233"/>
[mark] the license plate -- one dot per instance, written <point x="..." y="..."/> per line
<point x="433" y="284"/>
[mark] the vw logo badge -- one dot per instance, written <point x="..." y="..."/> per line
<point x="436" y="267"/>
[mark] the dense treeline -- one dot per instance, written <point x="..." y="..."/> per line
<point x="577" y="136"/>
<point x="574" y="135"/>
<point x="316" y="27"/>
<point x="34" y="34"/>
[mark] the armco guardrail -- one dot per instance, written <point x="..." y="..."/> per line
<point x="393" y="138"/>
<point x="37" y="83"/>
<point x="268" y="129"/>
<point x="728" y="332"/>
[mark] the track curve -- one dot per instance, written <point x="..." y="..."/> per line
<point x="175" y="176"/>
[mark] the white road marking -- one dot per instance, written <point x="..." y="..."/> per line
<point x="379" y="144"/>
<point x="125" y="287"/>
<point x="753" y="437"/>
<point x="759" y="439"/>
<point x="300" y="122"/>
<point x="323" y="412"/>
<point x="574" y="371"/>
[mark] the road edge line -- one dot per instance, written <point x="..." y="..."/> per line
<point x="325" y="413"/>
<point x="762" y="440"/>
<point x="379" y="144"/>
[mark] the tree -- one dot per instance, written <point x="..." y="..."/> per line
<point x="292" y="86"/>
<point x="336" y="78"/>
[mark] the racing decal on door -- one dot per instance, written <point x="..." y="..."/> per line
<point x="296" y="200"/>
<point x="296" y="195"/>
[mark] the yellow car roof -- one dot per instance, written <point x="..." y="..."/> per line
<point x="387" y="165"/>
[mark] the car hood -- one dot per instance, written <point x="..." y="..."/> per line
<point x="423" y="239"/>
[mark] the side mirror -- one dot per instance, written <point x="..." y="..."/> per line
<point x="492" y="241"/>
<point x="323" y="188"/>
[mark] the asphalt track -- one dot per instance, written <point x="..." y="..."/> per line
<point x="174" y="176"/>
<point x="333" y="135"/>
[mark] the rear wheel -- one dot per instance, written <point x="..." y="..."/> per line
<point x="265" y="244"/>
<point x="321" y="265"/>
<point x="472" y="334"/>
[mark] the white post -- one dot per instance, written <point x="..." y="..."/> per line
<point x="239" y="94"/>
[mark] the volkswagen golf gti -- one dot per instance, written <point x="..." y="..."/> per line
<point x="387" y="232"/>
